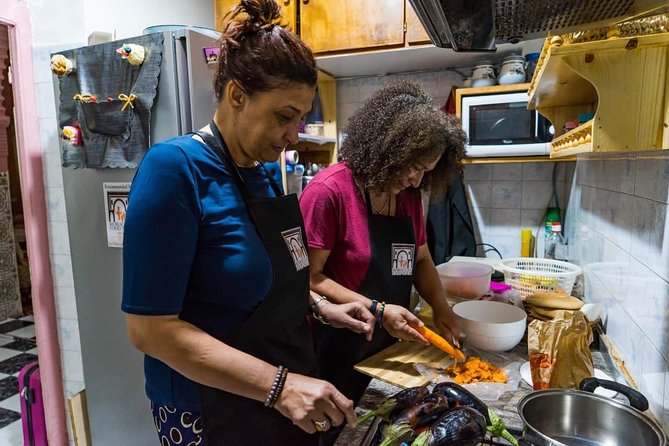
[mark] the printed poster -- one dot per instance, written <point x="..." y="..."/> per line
<point x="116" y="202"/>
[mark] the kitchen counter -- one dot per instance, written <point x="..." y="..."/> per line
<point x="505" y="406"/>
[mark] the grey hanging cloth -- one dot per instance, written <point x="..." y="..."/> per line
<point x="449" y="225"/>
<point x="113" y="136"/>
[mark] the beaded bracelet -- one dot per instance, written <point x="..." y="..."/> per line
<point x="372" y="308"/>
<point x="379" y="317"/>
<point x="282" y="381"/>
<point x="277" y="386"/>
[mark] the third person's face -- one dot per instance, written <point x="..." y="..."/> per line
<point x="269" y="121"/>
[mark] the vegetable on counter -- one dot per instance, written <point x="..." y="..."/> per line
<point x="396" y="403"/>
<point x="458" y="396"/>
<point x="424" y="413"/>
<point x="440" y="343"/>
<point x="462" y="426"/>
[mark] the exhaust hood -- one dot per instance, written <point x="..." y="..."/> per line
<point x="478" y="25"/>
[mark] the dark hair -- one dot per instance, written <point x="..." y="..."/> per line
<point x="259" y="53"/>
<point x="397" y="127"/>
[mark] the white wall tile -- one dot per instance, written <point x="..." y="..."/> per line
<point x="429" y="82"/>
<point x="68" y="334"/>
<point x="505" y="222"/>
<point x="347" y="91"/>
<point x="652" y="379"/>
<point x="368" y="85"/>
<point x="46" y="105"/>
<point x="479" y="193"/>
<point x="506" y="195"/>
<point x="59" y="241"/>
<point x="61" y="267"/>
<point x="66" y="305"/>
<point x="538" y="171"/>
<point x="73" y="387"/>
<point x="53" y="174"/>
<point x="49" y="135"/>
<point x="652" y="178"/>
<point x="55" y="201"/>
<point x="507" y="172"/>
<point x="478" y="172"/>
<point x="507" y="245"/>
<point x="481" y="221"/>
<point x="73" y="369"/>
<point x="536" y="194"/>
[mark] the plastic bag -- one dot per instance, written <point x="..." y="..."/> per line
<point x="486" y="391"/>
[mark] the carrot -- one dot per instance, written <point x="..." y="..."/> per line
<point x="440" y="343"/>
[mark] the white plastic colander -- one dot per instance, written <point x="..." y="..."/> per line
<point x="527" y="275"/>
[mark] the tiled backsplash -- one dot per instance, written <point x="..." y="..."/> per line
<point x="619" y="233"/>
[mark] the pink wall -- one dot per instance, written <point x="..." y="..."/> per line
<point x="15" y="14"/>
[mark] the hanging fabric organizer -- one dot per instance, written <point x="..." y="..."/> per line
<point x="110" y="101"/>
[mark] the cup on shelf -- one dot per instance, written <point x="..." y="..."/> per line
<point x="483" y="75"/>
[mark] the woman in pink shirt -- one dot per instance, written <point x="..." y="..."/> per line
<point x="365" y="227"/>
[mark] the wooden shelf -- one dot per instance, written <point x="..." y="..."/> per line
<point x="320" y="140"/>
<point x="515" y="159"/>
<point x="623" y="81"/>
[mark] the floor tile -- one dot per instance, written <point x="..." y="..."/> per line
<point x="6" y="353"/>
<point x="29" y="318"/>
<point x="8" y="387"/>
<point x="14" y="324"/>
<point x="11" y="431"/>
<point x="25" y="332"/>
<point x="20" y="344"/>
<point x="12" y="365"/>
<point x="12" y="403"/>
<point x="32" y="351"/>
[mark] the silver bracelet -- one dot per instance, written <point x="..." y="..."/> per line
<point x="314" y="308"/>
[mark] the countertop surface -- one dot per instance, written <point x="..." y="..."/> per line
<point x="505" y="406"/>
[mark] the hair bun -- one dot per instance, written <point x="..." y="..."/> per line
<point x="262" y="13"/>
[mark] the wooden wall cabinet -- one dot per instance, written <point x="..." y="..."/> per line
<point x="624" y="81"/>
<point x="346" y="25"/>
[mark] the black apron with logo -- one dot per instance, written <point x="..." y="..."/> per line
<point x="276" y="332"/>
<point x="389" y="278"/>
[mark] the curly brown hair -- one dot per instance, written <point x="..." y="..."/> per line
<point x="259" y="53"/>
<point x="398" y="127"/>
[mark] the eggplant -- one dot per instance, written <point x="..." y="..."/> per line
<point x="458" y="396"/>
<point x="461" y="426"/>
<point x="424" y="413"/>
<point x="391" y="407"/>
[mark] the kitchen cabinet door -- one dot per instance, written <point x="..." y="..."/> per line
<point x="222" y="7"/>
<point x="343" y="25"/>
<point x="416" y="34"/>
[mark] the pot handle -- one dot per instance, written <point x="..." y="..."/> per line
<point x="636" y="399"/>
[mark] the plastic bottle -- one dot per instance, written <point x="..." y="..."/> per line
<point x="525" y="242"/>
<point x="294" y="175"/>
<point x="555" y="247"/>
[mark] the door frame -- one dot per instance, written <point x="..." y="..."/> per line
<point x="15" y="14"/>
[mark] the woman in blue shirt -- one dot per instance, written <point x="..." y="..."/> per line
<point x="216" y="282"/>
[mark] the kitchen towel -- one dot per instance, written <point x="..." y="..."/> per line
<point x="113" y="137"/>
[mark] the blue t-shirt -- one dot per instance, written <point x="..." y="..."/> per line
<point x="191" y="248"/>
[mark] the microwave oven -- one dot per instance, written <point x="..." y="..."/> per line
<point x="500" y="124"/>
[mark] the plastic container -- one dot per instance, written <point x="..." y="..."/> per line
<point x="529" y="275"/>
<point x="552" y="214"/>
<point x="555" y="247"/>
<point x="512" y="70"/>
<point x="525" y="242"/>
<point x="294" y="178"/>
<point x="531" y="60"/>
<point x="491" y="326"/>
<point x="467" y="280"/>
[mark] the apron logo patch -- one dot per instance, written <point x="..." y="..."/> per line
<point x="402" y="260"/>
<point x="293" y="239"/>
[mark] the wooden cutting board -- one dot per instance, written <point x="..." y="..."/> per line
<point x="394" y="365"/>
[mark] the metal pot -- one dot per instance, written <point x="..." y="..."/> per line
<point x="559" y="417"/>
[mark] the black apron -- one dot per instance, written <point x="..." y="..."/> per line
<point x="389" y="278"/>
<point x="276" y="332"/>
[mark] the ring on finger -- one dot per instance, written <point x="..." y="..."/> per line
<point x="320" y="426"/>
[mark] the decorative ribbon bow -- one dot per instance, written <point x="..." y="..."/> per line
<point x="128" y="100"/>
<point x="84" y="97"/>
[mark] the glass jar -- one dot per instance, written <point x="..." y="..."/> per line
<point x="512" y="70"/>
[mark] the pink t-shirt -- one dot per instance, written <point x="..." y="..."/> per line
<point x="335" y="218"/>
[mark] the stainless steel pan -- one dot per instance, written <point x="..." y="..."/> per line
<point x="559" y="417"/>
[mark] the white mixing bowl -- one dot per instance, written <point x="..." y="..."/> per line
<point x="491" y="326"/>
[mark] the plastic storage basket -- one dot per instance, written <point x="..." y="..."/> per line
<point x="528" y="275"/>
